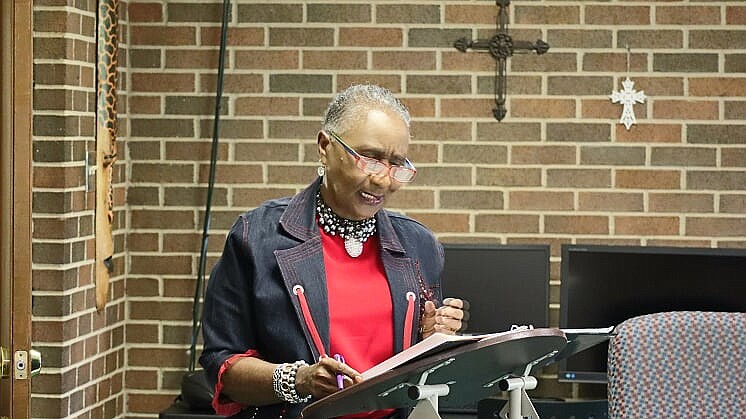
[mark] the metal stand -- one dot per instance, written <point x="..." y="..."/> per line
<point x="462" y="373"/>
<point x="427" y="406"/>
<point x="519" y="406"/>
<point x="427" y="394"/>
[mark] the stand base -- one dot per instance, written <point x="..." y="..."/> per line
<point x="546" y="408"/>
<point x="427" y="406"/>
<point x="424" y="410"/>
<point x="519" y="405"/>
<point x="523" y="409"/>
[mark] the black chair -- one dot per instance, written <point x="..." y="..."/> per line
<point x="179" y="410"/>
<point x="195" y="399"/>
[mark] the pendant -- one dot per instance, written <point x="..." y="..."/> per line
<point x="353" y="246"/>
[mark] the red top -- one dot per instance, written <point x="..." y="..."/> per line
<point x="360" y="308"/>
<point x="360" y="315"/>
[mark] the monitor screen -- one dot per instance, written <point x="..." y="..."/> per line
<point x="602" y="286"/>
<point x="504" y="284"/>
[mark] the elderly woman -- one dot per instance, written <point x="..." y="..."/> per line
<point x="326" y="272"/>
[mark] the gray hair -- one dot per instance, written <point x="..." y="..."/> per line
<point x="351" y="105"/>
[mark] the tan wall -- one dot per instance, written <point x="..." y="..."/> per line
<point x="559" y="169"/>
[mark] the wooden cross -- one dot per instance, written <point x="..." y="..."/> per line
<point x="501" y="46"/>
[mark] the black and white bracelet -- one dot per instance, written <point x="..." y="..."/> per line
<point x="283" y="382"/>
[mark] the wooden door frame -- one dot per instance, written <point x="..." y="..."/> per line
<point x="15" y="195"/>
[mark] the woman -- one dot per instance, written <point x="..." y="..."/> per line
<point x="327" y="272"/>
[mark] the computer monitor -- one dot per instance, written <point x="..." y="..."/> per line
<point x="602" y="286"/>
<point x="505" y="284"/>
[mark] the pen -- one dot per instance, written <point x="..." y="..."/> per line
<point x="340" y="377"/>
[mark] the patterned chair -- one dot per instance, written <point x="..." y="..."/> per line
<point x="679" y="364"/>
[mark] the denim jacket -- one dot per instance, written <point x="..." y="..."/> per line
<point x="273" y="260"/>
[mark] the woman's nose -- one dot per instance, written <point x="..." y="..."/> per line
<point x="382" y="179"/>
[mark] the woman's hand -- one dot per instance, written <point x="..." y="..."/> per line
<point x="449" y="318"/>
<point x="320" y="379"/>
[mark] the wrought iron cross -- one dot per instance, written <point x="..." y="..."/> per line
<point x="501" y="46"/>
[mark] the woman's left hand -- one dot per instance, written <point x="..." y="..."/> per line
<point x="449" y="318"/>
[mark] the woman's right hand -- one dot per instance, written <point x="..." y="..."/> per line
<point x="320" y="379"/>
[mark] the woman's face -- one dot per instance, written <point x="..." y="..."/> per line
<point x="351" y="193"/>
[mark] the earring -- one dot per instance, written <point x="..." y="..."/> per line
<point x="321" y="171"/>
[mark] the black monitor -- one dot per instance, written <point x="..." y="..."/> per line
<point x="602" y="286"/>
<point x="504" y="284"/>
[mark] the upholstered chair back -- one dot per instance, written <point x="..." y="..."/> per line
<point x="680" y="364"/>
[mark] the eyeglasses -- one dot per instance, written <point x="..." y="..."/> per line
<point x="371" y="166"/>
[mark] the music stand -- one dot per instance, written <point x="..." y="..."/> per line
<point x="462" y="374"/>
<point x="519" y="405"/>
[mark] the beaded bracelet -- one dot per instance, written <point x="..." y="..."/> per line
<point x="283" y="382"/>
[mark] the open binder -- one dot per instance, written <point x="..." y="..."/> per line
<point x="435" y="343"/>
<point x="461" y="370"/>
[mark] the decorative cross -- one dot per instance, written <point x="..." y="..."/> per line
<point x="628" y="97"/>
<point x="501" y="46"/>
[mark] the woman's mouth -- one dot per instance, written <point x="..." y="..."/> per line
<point x="371" y="199"/>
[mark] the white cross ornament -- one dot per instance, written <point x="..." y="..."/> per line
<point x="628" y="97"/>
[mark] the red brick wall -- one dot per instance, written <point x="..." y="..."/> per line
<point x="83" y="350"/>
<point x="559" y="168"/>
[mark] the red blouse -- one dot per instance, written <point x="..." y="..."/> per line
<point x="360" y="307"/>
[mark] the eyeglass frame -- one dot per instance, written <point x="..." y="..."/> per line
<point x="361" y="162"/>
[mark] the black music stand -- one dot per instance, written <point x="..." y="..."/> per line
<point x="462" y="374"/>
<point x="519" y="406"/>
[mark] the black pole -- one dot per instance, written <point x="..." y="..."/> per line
<point x="198" y="289"/>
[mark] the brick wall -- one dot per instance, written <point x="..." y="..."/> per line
<point x="559" y="168"/>
<point x="83" y="350"/>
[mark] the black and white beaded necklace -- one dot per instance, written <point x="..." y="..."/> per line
<point x="353" y="232"/>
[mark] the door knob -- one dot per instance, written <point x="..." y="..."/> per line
<point x="24" y="364"/>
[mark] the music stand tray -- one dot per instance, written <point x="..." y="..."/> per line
<point x="462" y="374"/>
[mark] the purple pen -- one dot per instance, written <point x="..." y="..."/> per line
<point x="340" y="377"/>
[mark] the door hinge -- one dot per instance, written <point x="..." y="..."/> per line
<point x="4" y="362"/>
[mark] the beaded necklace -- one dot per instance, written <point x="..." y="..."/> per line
<point x="353" y="232"/>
